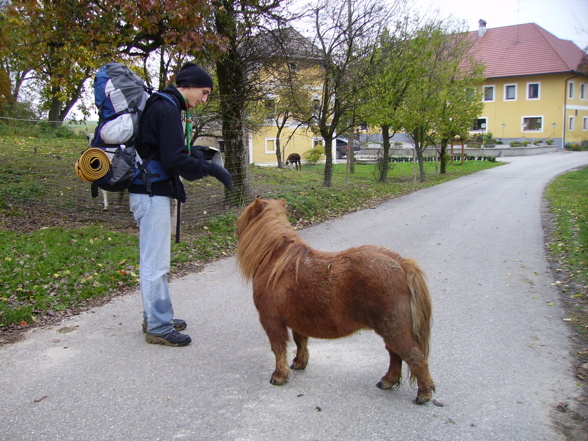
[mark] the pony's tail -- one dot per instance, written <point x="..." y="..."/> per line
<point x="420" y="304"/>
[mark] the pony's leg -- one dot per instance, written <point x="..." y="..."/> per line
<point x="301" y="359"/>
<point x="392" y="377"/>
<point x="278" y="337"/>
<point x="410" y="353"/>
<point x="420" y="369"/>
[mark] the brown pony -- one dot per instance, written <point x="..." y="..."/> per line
<point x="294" y="159"/>
<point x="333" y="294"/>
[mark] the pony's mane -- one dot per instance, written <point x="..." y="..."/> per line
<point x="267" y="241"/>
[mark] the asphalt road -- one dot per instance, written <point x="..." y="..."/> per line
<point x="500" y="354"/>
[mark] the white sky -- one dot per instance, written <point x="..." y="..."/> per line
<point x="566" y="19"/>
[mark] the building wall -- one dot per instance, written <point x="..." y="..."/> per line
<point x="505" y="117"/>
<point x="263" y="144"/>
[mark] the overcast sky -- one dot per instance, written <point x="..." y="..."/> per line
<point x="566" y="19"/>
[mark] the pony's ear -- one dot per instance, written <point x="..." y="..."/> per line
<point x="283" y="202"/>
<point x="256" y="207"/>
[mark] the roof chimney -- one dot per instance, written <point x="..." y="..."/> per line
<point x="482" y="28"/>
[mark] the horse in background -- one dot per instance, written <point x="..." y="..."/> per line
<point x="323" y="294"/>
<point x="294" y="159"/>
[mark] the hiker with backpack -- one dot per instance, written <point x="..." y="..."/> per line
<point x="164" y="136"/>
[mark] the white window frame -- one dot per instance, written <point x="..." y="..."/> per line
<point x="506" y="86"/>
<point x="582" y="91"/>
<point x="538" y="90"/>
<point x="267" y="142"/>
<point x="571" y="90"/>
<point x="484" y="88"/>
<point x="571" y="123"/>
<point x="482" y="130"/>
<point x="585" y="124"/>
<point x="525" y="130"/>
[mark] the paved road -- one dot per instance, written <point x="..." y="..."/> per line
<point x="500" y="351"/>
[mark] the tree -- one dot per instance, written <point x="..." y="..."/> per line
<point x="439" y="103"/>
<point x="387" y="90"/>
<point x="345" y="33"/>
<point x="238" y="68"/>
<point x="64" y="43"/>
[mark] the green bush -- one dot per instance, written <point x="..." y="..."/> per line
<point x="577" y="146"/>
<point x="313" y="156"/>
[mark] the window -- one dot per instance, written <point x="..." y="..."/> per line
<point x="270" y="145"/>
<point x="270" y="108"/>
<point x="480" y="125"/>
<point x="488" y="93"/>
<point x="571" y="124"/>
<point x="571" y="89"/>
<point x="510" y="92"/>
<point x="532" y="124"/>
<point x="316" y="106"/>
<point x="585" y="123"/>
<point x="532" y="91"/>
<point x="583" y="91"/>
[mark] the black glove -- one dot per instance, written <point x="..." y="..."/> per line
<point x="220" y="173"/>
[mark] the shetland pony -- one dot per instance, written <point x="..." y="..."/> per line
<point x="333" y="294"/>
<point x="294" y="159"/>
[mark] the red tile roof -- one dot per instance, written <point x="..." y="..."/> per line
<point x="525" y="49"/>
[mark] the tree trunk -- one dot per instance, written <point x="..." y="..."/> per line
<point x="279" y="148"/>
<point x="385" y="166"/>
<point x="231" y="84"/>
<point x="328" y="175"/>
<point x="443" y="159"/>
<point x="419" y="147"/>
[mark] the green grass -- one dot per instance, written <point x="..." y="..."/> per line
<point x="568" y="244"/>
<point x="59" y="249"/>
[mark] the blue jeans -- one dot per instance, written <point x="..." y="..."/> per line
<point x="153" y="217"/>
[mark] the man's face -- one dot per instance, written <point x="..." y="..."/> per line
<point x="196" y="95"/>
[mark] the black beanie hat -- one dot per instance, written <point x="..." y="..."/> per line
<point x="191" y="75"/>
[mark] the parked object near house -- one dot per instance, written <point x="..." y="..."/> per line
<point x="342" y="147"/>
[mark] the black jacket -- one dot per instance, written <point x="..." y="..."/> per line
<point x="161" y="131"/>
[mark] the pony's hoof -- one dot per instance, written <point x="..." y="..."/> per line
<point x="277" y="382"/>
<point x="385" y="385"/>
<point x="421" y="400"/>
<point x="298" y="367"/>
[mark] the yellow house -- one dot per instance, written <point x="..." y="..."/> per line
<point x="535" y="89"/>
<point x="263" y="143"/>
<point x="294" y="72"/>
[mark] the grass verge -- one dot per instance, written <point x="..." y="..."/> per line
<point x="567" y="244"/>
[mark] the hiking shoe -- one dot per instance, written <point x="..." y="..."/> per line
<point x="172" y="338"/>
<point x="179" y="325"/>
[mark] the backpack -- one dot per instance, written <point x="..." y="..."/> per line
<point x="112" y="162"/>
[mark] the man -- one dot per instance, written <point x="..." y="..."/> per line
<point x="162" y="139"/>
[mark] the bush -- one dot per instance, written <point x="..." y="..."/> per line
<point x="577" y="146"/>
<point x="313" y="156"/>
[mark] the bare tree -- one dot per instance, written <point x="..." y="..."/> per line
<point x="346" y="32"/>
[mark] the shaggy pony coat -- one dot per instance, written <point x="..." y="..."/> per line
<point x="333" y="294"/>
